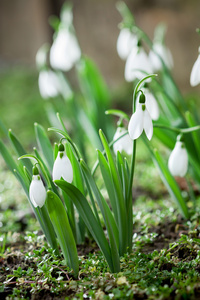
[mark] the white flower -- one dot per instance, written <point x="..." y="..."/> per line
<point x="151" y="104"/>
<point x="140" y="121"/>
<point x="178" y="160"/>
<point x="195" y="73"/>
<point x="65" y="51"/>
<point x="123" y="144"/>
<point x="62" y="167"/>
<point x="164" y="53"/>
<point x="137" y="64"/>
<point x="49" y="84"/>
<point x="37" y="191"/>
<point x="125" y="42"/>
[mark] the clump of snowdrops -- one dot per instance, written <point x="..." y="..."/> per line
<point x="60" y="186"/>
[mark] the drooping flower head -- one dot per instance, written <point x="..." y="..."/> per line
<point x="62" y="167"/>
<point x="151" y="104"/>
<point x="178" y="160"/>
<point x="140" y="120"/>
<point x="137" y="64"/>
<point x="126" y="41"/>
<point x="65" y="51"/>
<point x="49" y="84"/>
<point x="195" y="73"/>
<point x="37" y="191"/>
<point x="160" y="51"/>
<point x="123" y="144"/>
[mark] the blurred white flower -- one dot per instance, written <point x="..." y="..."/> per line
<point x="195" y="73"/>
<point x="137" y="64"/>
<point x="140" y="121"/>
<point x="164" y="53"/>
<point x="123" y="144"/>
<point x="125" y="42"/>
<point x="65" y="51"/>
<point x="37" y="191"/>
<point x="151" y="104"/>
<point x="178" y="160"/>
<point x="62" y="167"/>
<point x="49" y="84"/>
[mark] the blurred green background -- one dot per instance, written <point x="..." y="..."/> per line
<point x="24" y="28"/>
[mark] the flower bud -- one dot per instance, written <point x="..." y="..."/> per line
<point x="62" y="167"/>
<point x="178" y="160"/>
<point x="37" y="191"/>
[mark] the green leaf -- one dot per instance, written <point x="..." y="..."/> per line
<point x="195" y="134"/>
<point x="55" y="150"/>
<point x="105" y="171"/>
<point x="63" y="230"/>
<point x="48" y="227"/>
<point x="105" y="210"/>
<point x="96" y="94"/>
<point x="88" y="217"/>
<point x="20" y="150"/>
<point x="44" y="145"/>
<point x="77" y="177"/>
<point x="3" y="129"/>
<point x="92" y="83"/>
<point x="121" y="205"/>
<point x="169" y="182"/>
<point x="8" y="158"/>
<point x="123" y="174"/>
<point x="89" y="129"/>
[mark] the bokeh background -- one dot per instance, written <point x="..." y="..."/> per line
<point x="24" y="28"/>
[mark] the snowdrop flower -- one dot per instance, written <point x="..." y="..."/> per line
<point x="164" y="53"/>
<point x="49" y="84"/>
<point x="65" y="51"/>
<point x="151" y="104"/>
<point x="62" y="167"/>
<point x="140" y="121"/>
<point x="37" y="191"/>
<point x="125" y="42"/>
<point x="178" y="160"/>
<point x="123" y="144"/>
<point x="137" y="64"/>
<point x="195" y="73"/>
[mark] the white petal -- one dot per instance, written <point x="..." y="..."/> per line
<point x="137" y="65"/>
<point x="195" y="73"/>
<point x="62" y="168"/>
<point x="65" y="51"/>
<point x="164" y="53"/>
<point x="49" y="85"/>
<point x="151" y="105"/>
<point x="37" y="191"/>
<point x="178" y="160"/>
<point x="147" y="124"/>
<point x="124" y="144"/>
<point x="125" y="42"/>
<point x="135" y="126"/>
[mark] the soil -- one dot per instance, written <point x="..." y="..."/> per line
<point x="167" y="233"/>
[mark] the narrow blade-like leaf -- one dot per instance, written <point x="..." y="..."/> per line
<point x="63" y="230"/>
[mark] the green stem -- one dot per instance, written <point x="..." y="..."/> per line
<point x="129" y="197"/>
<point x="178" y="130"/>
